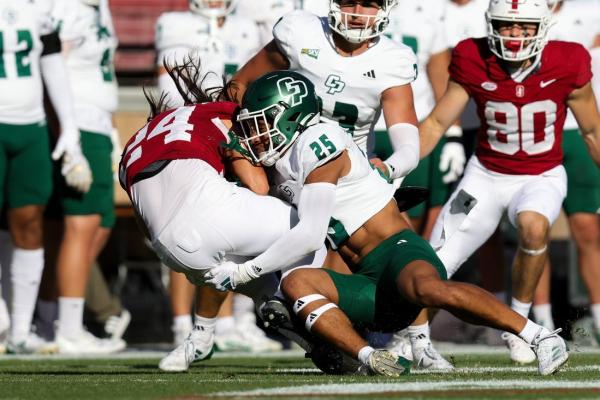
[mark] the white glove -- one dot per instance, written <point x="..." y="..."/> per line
<point x="452" y="160"/>
<point x="228" y="275"/>
<point x="75" y="167"/>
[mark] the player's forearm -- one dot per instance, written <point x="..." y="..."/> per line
<point x="56" y="80"/>
<point x="316" y="206"/>
<point x="405" y="143"/>
<point x="430" y="132"/>
<point x="592" y="140"/>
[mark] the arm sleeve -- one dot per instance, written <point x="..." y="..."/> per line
<point x="405" y="143"/>
<point x="315" y="207"/>
<point x="56" y="79"/>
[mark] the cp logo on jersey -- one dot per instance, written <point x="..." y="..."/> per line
<point x="334" y="84"/>
<point x="292" y="90"/>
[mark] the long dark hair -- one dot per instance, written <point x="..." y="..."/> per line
<point x="189" y="82"/>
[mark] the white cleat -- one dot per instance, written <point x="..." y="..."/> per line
<point x="520" y="352"/>
<point x="32" y="344"/>
<point x="428" y="358"/>
<point x="255" y="338"/>
<point x="551" y="351"/>
<point x="116" y="325"/>
<point x="383" y="362"/>
<point x="4" y="325"/>
<point x="86" y="343"/>
<point x="199" y="345"/>
<point x="400" y="345"/>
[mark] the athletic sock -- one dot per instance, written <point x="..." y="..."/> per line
<point x="542" y="314"/>
<point x="182" y="322"/>
<point x="520" y="307"/>
<point x="595" y="310"/>
<point x="206" y="324"/>
<point x="224" y="325"/>
<point x="530" y="331"/>
<point x="70" y="316"/>
<point x="242" y="305"/>
<point x="364" y="353"/>
<point x="419" y="335"/>
<point x="25" y="274"/>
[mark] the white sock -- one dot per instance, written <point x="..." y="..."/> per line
<point x="70" y="316"/>
<point x="520" y="307"/>
<point x="242" y="305"/>
<point x="595" y="310"/>
<point x="25" y="274"/>
<point x="530" y="331"/>
<point x="4" y="318"/>
<point x="224" y="325"/>
<point x="182" y="322"/>
<point x="364" y="353"/>
<point x="206" y="324"/>
<point x="542" y="314"/>
<point x="419" y="334"/>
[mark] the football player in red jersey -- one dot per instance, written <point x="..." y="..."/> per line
<point x="522" y="86"/>
<point x="172" y="170"/>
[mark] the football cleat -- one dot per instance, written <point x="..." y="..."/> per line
<point x="383" y="362"/>
<point x="520" y="352"/>
<point x="400" y="345"/>
<point x="32" y="344"/>
<point x="116" y="325"/>
<point x="551" y="351"/>
<point x="86" y="343"/>
<point x="428" y="358"/>
<point x="198" y="346"/>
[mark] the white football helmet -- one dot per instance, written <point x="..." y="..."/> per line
<point x="93" y="3"/>
<point x="523" y="11"/>
<point x="374" y="25"/>
<point x="212" y="8"/>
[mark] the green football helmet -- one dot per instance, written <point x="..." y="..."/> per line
<point x="276" y="108"/>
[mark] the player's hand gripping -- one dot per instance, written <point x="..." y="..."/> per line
<point x="228" y="275"/>
<point x="75" y="167"/>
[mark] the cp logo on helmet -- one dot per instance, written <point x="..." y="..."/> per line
<point x="292" y="91"/>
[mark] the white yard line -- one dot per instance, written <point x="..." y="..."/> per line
<point x="371" y="388"/>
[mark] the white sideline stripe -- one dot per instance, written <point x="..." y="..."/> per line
<point x="370" y="388"/>
<point x="466" y="370"/>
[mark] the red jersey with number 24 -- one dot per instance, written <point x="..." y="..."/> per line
<point x="521" y="123"/>
<point x="181" y="133"/>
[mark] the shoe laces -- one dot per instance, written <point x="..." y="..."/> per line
<point x="539" y="337"/>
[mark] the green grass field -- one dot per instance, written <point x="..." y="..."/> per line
<point x="489" y="376"/>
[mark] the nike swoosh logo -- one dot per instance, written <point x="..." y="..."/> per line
<point x="543" y="84"/>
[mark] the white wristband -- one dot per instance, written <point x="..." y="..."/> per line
<point x="454" y="131"/>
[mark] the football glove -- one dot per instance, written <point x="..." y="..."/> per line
<point x="228" y="275"/>
<point x="452" y="161"/>
<point x="75" y="167"/>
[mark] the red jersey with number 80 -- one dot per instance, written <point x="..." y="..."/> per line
<point x="182" y="133"/>
<point x="521" y="123"/>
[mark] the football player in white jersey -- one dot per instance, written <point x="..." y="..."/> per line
<point x="578" y="21"/>
<point x="264" y="14"/>
<point x="88" y="42"/>
<point x="207" y="32"/>
<point x="421" y="26"/>
<point x="341" y="197"/>
<point x="221" y="41"/>
<point x="358" y="73"/>
<point x="30" y="53"/>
